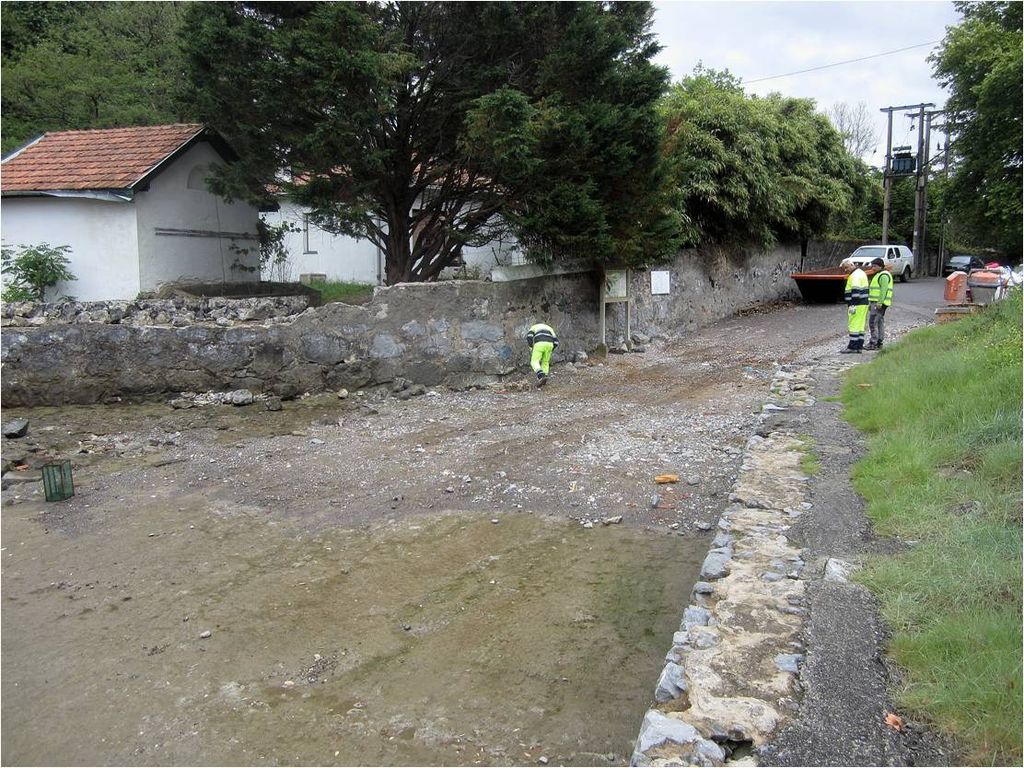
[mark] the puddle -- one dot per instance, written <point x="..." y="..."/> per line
<point x="432" y="640"/>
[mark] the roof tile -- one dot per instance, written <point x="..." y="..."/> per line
<point x="113" y="158"/>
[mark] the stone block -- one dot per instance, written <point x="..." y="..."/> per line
<point x="665" y="737"/>
<point x="671" y="683"/>
<point x="716" y="564"/>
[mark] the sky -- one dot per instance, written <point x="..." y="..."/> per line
<point x="763" y="39"/>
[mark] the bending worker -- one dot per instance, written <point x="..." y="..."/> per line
<point x="542" y="340"/>
<point x="879" y="299"/>
<point x="856" y="297"/>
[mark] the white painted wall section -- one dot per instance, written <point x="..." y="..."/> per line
<point x="103" y="237"/>
<point x="311" y="250"/>
<point x="187" y="234"/>
<point x="314" y="251"/>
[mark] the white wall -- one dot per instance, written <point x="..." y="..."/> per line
<point x="103" y="237"/>
<point x="313" y="251"/>
<point x="480" y="260"/>
<point x="179" y="222"/>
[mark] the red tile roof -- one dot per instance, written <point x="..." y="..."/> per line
<point x="114" y="158"/>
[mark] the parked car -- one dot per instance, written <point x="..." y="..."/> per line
<point x="898" y="259"/>
<point x="962" y="263"/>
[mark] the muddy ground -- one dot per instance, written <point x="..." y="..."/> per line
<point x="422" y="582"/>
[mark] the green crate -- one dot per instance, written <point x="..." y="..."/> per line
<point x="57" y="481"/>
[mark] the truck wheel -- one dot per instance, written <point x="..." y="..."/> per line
<point x="906" y="275"/>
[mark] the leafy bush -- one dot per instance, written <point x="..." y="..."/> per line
<point x="34" y="269"/>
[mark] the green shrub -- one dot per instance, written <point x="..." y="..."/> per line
<point x="34" y="269"/>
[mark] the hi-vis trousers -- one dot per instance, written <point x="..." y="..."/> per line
<point x="858" y="319"/>
<point x="540" y="359"/>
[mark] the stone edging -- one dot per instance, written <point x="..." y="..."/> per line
<point x="730" y="678"/>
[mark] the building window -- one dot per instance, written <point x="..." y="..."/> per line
<point x="305" y="235"/>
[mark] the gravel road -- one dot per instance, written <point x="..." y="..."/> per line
<point x="480" y="577"/>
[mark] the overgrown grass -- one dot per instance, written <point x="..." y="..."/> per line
<point x="944" y="468"/>
<point x="349" y="293"/>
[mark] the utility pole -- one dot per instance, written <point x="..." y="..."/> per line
<point x="888" y="174"/>
<point x="887" y="181"/>
<point x="933" y="266"/>
<point x="919" y="185"/>
<point x="945" y="217"/>
<point x="926" y="263"/>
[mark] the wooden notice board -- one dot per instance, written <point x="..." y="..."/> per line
<point x="615" y="290"/>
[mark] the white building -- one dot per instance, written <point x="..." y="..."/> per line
<point x="340" y="258"/>
<point x="133" y="206"/>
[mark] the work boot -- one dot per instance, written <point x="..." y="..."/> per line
<point x="848" y="351"/>
<point x="541" y="381"/>
<point x="872" y="345"/>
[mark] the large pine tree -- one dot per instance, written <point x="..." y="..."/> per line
<point x="423" y="126"/>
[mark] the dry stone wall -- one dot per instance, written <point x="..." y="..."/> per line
<point x="458" y="333"/>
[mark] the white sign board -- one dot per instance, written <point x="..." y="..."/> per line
<point x="659" y="282"/>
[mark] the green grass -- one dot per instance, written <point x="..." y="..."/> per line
<point x="809" y="462"/>
<point x="349" y="293"/>
<point x="944" y="468"/>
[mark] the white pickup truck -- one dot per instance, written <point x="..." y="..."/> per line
<point x="898" y="259"/>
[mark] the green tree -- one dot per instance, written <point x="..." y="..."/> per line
<point x="89" y="65"/>
<point x="424" y="127"/>
<point x="751" y="170"/>
<point x="864" y="219"/>
<point x="25" y="24"/>
<point x="980" y="63"/>
<point x="819" y="177"/>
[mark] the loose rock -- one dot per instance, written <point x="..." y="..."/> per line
<point x="15" y="428"/>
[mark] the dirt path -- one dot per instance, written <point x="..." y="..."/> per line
<point x="385" y="582"/>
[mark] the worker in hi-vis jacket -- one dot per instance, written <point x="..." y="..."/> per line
<point x="879" y="300"/>
<point x="542" y="340"/>
<point x="856" y="296"/>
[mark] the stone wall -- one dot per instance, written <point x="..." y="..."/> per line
<point x="456" y="333"/>
<point x="706" y="285"/>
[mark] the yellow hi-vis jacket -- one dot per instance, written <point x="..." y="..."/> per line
<point x="881" y="289"/>
<point x="541" y="332"/>
<point x="856" y="293"/>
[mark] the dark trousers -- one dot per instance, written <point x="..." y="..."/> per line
<point x="876" y="324"/>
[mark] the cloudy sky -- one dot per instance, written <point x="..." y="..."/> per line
<point x="758" y="40"/>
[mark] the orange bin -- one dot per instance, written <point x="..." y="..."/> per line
<point x="956" y="288"/>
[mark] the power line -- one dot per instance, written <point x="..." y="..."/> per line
<point x="840" y="63"/>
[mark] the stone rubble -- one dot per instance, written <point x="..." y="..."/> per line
<point x="222" y="311"/>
